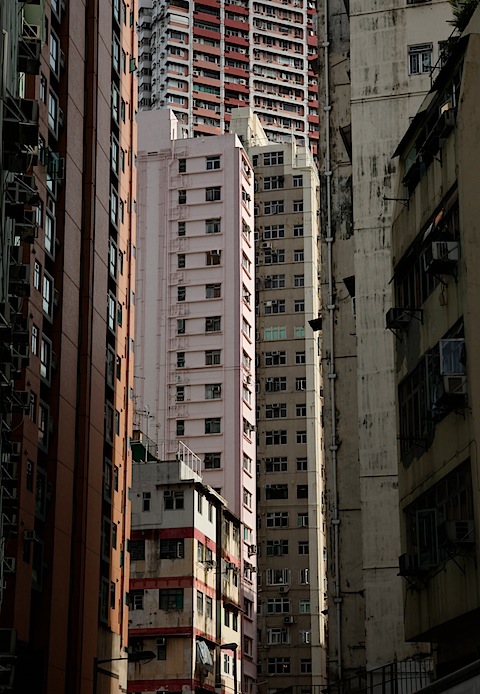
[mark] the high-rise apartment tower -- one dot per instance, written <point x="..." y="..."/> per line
<point x="195" y="351"/>
<point x="205" y="58"/>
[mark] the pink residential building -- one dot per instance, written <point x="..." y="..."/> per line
<point x="195" y="332"/>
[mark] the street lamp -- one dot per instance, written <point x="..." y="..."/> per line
<point x="137" y="657"/>
<point x="232" y="647"/>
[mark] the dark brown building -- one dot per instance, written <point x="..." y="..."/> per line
<point x="68" y="309"/>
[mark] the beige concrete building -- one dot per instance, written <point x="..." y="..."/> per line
<point x="435" y="250"/>
<point x="185" y="577"/>
<point x="291" y="530"/>
<point x="392" y="47"/>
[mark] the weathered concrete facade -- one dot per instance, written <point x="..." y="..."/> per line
<point x="435" y="249"/>
<point x="392" y="45"/>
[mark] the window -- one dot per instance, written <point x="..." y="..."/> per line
<point x="137" y="550"/>
<point x="181" y="260"/>
<point x="420" y="59"/>
<point x="277" y="548"/>
<point x="303" y="577"/>
<point x="43" y="88"/>
<point x="298" y="205"/>
<point x="213" y="257"/>
<point x="302" y="491"/>
<point x="273" y="207"/>
<point x="146" y="501"/>
<point x="278" y="605"/>
<point x="299" y="306"/>
<point x="277" y="464"/>
<point x="170" y="598"/>
<point x="161" y="648"/>
<point x="247" y="498"/>
<point x="275" y="411"/>
<point x="200" y="552"/>
<point x="272" y="158"/>
<point x="212" y="461"/>
<point x="181" y="293"/>
<point x="305" y="666"/>
<point x="47" y="294"/>
<point x="275" y="231"/>
<point x="246" y="295"/>
<point x="298" y="256"/>
<point x="277" y="437"/>
<point x="275" y="306"/>
<point x="45" y="358"/>
<point x="34" y="342"/>
<point x="304" y="607"/>
<point x="213" y="391"/>
<point x="298" y="280"/>
<point x="299" y="331"/>
<point x="213" y="357"/>
<point x="37" y="275"/>
<point x="180" y="360"/>
<point x="301" y="410"/>
<point x="297" y="181"/>
<point x="180" y="427"/>
<point x="274" y="257"/>
<point x="212" y="425"/>
<point x="277" y="358"/>
<point x="172" y="549"/>
<point x="182" y="197"/>
<point x="302" y="464"/>
<point x="303" y="547"/>
<point x="182" y="165"/>
<point x="213" y="194"/>
<point x="277" y="519"/>
<point x="277" y="383"/>
<point x="247" y="463"/>
<point x="246" y="328"/>
<point x="181" y="228"/>
<point x="213" y="163"/>
<point x="213" y="324"/>
<point x="208" y="607"/>
<point x="300" y="383"/>
<point x="276" y="491"/>
<point x="246" y="264"/>
<point x="275" y="333"/>
<point x="274" y="282"/>
<point x="180" y="394"/>
<point x="115" y="103"/>
<point x="213" y="226"/>
<point x="213" y="291"/>
<point x="273" y="182"/>
<point x="277" y="636"/>
<point x="53" y="110"/>
<point x="302" y="522"/>
<point x="136" y="599"/>
<point x="278" y="666"/>
<point x="278" y="577"/>
<point x="173" y="501"/>
<point x="114" y="206"/>
<point x="301" y="437"/>
<point x="54" y="53"/>
<point x="199" y="602"/>
<point x="116" y="53"/>
<point x="299" y="357"/>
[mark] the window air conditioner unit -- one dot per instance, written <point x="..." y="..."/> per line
<point x="252" y="549"/>
<point x="288" y="620"/>
<point x="161" y="641"/>
<point x="167" y="493"/>
<point x="441" y="257"/>
<point x="451" y="391"/>
<point x="400" y="318"/>
<point x="231" y="566"/>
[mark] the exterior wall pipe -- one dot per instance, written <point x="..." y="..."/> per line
<point x="331" y="372"/>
